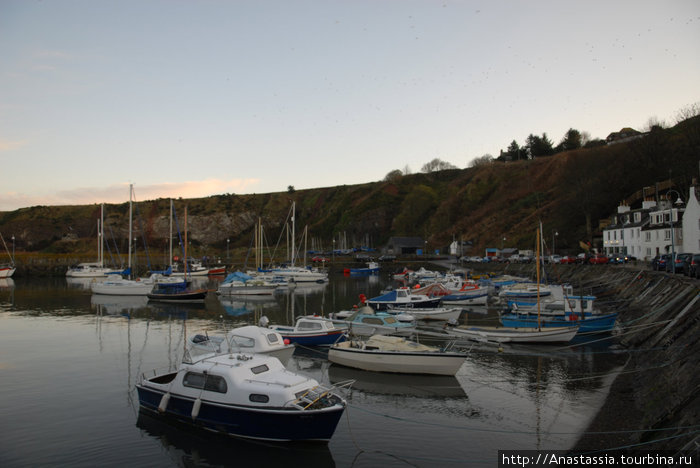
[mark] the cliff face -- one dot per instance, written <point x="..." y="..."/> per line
<point x="569" y="192"/>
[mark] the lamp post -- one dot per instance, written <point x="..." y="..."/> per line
<point x="227" y="256"/>
<point x="13" y="249"/>
<point x="333" y="252"/>
<point x="679" y="201"/>
<point x="555" y="234"/>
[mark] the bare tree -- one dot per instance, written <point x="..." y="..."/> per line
<point x="481" y="161"/>
<point x="437" y="165"/>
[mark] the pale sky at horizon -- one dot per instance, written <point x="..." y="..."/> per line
<point x="196" y="98"/>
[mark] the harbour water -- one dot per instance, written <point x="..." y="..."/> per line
<point x="69" y="362"/>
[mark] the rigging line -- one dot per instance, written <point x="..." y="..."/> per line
<point x="509" y="431"/>
<point x="624" y="447"/>
<point x="143" y="238"/>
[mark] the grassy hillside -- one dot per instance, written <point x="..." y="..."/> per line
<point x="569" y="192"/>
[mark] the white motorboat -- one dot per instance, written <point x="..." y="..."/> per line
<point x="430" y="313"/>
<point x="395" y="354"/>
<point x="244" y="395"/>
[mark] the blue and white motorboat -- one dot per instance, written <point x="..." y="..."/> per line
<point x="401" y="297"/>
<point x="311" y="330"/>
<point x="372" y="268"/>
<point x="365" y="321"/>
<point x="244" y="395"/>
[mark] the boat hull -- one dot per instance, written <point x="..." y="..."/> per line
<point x="590" y="324"/>
<point x="6" y="272"/>
<point x="397" y="362"/>
<point x="466" y="299"/>
<point x="517" y="335"/>
<point x="281" y="425"/>
<point x="310" y="338"/>
<point x="384" y="305"/>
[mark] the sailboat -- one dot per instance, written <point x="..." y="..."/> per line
<point x="590" y="323"/>
<point x="94" y="269"/>
<point x="7" y="269"/>
<point x="119" y="286"/>
<point x="295" y="273"/>
<point x="177" y="292"/>
<point x="521" y="333"/>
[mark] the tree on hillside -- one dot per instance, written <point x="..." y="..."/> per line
<point x="481" y="161"/>
<point x="393" y="176"/>
<point x="572" y="140"/>
<point x="437" y="165"/>
<point x="416" y="210"/>
<point x="514" y="151"/>
<point x="538" y="146"/>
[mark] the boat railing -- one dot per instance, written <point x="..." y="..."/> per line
<point x="317" y="396"/>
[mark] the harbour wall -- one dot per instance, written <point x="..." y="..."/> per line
<point x="654" y="402"/>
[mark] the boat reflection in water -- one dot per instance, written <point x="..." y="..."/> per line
<point x="115" y="305"/>
<point x="445" y="386"/>
<point x="189" y="446"/>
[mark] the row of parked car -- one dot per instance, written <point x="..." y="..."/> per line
<point x="685" y="263"/>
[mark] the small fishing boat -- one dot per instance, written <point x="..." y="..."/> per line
<point x="176" y="292"/>
<point x="430" y="313"/>
<point x="401" y="297"/>
<point x="372" y="268"/>
<point x="244" y="395"/>
<point x="515" y="335"/>
<point x="365" y="321"/>
<point x="592" y="324"/>
<point x="469" y="293"/>
<point x="309" y="331"/>
<point x="395" y="354"/>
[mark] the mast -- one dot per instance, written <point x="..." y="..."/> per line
<point x="539" y="325"/>
<point x="131" y="191"/>
<point x="170" y="240"/>
<point x="186" y="264"/>
<point x="294" y="204"/>
<point x="101" y="248"/>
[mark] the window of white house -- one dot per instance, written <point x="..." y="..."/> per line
<point x="667" y="234"/>
<point x="647" y="237"/>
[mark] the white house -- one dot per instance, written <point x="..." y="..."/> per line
<point x="664" y="233"/>
<point x="624" y="233"/>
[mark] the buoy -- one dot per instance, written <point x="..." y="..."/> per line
<point x="286" y="341"/>
<point x="164" y="403"/>
<point x="195" y="408"/>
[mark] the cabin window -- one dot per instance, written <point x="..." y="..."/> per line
<point x="372" y="321"/>
<point x="272" y="338"/>
<point x="390" y="320"/>
<point x="258" y="398"/>
<point x="309" y="326"/>
<point x="212" y="383"/>
<point x="242" y="342"/>
<point x="260" y="369"/>
<point x="401" y="293"/>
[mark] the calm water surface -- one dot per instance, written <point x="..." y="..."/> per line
<point x="69" y="362"/>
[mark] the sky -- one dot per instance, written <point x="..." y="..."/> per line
<point x="196" y="98"/>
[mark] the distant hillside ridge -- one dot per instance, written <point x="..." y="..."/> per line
<point x="492" y="205"/>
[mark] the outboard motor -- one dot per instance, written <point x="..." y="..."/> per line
<point x="264" y="322"/>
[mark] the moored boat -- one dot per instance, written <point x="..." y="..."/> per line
<point x="401" y="297"/>
<point x="244" y="395"/>
<point x="515" y="334"/>
<point x="395" y="354"/>
<point x="309" y="331"/>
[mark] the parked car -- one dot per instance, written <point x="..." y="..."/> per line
<point x="694" y="266"/>
<point x="568" y="259"/>
<point x="598" y="259"/>
<point x="555" y="259"/>
<point x="658" y="263"/>
<point x="679" y="265"/>
<point x="388" y="258"/>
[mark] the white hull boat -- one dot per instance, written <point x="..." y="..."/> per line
<point x="396" y="355"/>
<point x="515" y="335"/>
<point x="437" y="313"/>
